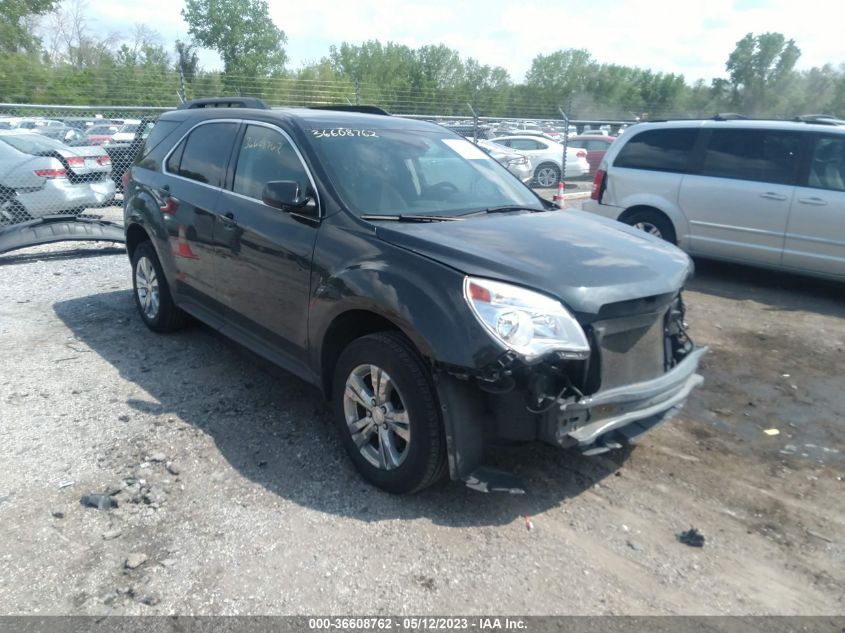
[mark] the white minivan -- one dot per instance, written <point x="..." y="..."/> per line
<point x="768" y="193"/>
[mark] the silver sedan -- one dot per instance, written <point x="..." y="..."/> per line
<point x="40" y="176"/>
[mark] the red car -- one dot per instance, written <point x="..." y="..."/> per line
<point x="595" y="145"/>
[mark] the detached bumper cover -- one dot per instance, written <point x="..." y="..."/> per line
<point x="58" y="229"/>
<point x="598" y="422"/>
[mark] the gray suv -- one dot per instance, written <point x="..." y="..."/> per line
<point x="767" y="193"/>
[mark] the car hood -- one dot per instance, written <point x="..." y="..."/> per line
<point x="583" y="260"/>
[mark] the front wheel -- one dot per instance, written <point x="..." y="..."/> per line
<point x="387" y="414"/>
<point x="152" y="294"/>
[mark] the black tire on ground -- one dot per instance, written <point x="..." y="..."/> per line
<point x="168" y="317"/>
<point x="425" y="462"/>
<point x="547" y="175"/>
<point x="653" y="222"/>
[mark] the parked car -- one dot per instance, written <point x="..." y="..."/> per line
<point x="82" y="123"/>
<point x="547" y="157"/>
<point x="100" y="134"/>
<point x="125" y="133"/>
<point x="123" y="153"/>
<point x="516" y="163"/>
<point x="65" y="134"/>
<point x="40" y="176"/>
<point x="595" y="146"/>
<point x="437" y="301"/>
<point x="767" y="193"/>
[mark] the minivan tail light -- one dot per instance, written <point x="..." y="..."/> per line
<point x="51" y="173"/>
<point x="598" y="184"/>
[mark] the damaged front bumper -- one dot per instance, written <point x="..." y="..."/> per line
<point x="612" y="418"/>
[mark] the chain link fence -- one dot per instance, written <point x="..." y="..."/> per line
<point x="69" y="160"/>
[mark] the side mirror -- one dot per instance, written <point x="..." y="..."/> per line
<point x="285" y="195"/>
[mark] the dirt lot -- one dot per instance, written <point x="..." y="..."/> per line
<point x="236" y="498"/>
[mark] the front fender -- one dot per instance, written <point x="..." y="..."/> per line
<point x="423" y="298"/>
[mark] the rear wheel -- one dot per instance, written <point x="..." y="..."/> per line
<point x="152" y="294"/>
<point x="654" y="223"/>
<point x="547" y="175"/>
<point x="387" y="414"/>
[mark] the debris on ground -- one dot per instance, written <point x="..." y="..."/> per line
<point x="98" y="500"/>
<point x="692" y="537"/>
<point x="58" y="514"/>
<point x="173" y="468"/>
<point x="135" y="560"/>
<point x="634" y="546"/>
<point x="109" y="535"/>
<point x="65" y="484"/>
<point x="529" y="524"/>
<point x="820" y="536"/>
<point x="771" y="432"/>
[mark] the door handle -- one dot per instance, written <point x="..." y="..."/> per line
<point x="228" y="219"/>
<point x="818" y="202"/>
<point x="771" y="195"/>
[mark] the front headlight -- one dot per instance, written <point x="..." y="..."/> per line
<point x="529" y="323"/>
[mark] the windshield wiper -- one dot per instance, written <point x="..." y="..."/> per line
<point x="507" y="208"/>
<point x="411" y="218"/>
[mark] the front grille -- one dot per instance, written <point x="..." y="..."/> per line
<point x="630" y="349"/>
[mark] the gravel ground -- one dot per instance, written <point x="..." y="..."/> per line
<point x="236" y="498"/>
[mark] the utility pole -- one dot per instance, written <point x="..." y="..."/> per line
<point x="565" y="143"/>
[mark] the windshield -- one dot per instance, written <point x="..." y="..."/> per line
<point x="129" y="128"/>
<point x="390" y="172"/>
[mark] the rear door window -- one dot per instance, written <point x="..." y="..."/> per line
<point x="205" y="154"/>
<point x="660" y="150"/>
<point x="525" y="144"/>
<point x="758" y="155"/>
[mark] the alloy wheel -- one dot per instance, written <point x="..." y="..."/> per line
<point x="376" y="417"/>
<point x="649" y="228"/>
<point x="146" y="284"/>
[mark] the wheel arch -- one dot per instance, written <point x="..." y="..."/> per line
<point x="637" y="208"/>
<point x="135" y="234"/>
<point x="345" y="328"/>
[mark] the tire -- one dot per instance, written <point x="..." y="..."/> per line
<point x="160" y="313"/>
<point x="547" y="174"/>
<point x="414" y="455"/>
<point x="654" y="223"/>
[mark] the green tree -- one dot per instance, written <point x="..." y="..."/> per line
<point x="241" y="31"/>
<point x="758" y="67"/>
<point x="186" y="59"/>
<point x="16" y="36"/>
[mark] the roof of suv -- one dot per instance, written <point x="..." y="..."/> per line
<point x="306" y="117"/>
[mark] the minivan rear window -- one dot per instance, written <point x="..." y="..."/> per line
<point x="660" y="150"/>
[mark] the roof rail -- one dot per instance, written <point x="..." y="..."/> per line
<point x="341" y="107"/>
<point x="820" y="119"/>
<point x="225" y="102"/>
<point x="728" y="116"/>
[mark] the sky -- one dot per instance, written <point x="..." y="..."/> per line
<point x="689" y="37"/>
